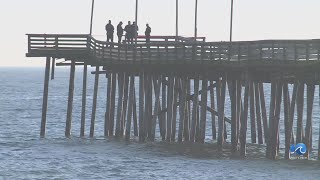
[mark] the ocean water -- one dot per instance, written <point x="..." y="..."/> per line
<point x="23" y="155"/>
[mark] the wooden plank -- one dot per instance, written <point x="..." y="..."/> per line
<point x="45" y="99"/>
<point x="94" y="103"/>
<point x="70" y="100"/>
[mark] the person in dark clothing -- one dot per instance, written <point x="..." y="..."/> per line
<point x="147" y="33"/>
<point x="128" y="31"/>
<point x="120" y="32"/>
<point x="135" y="29"/>
<point x="110" y="31"/>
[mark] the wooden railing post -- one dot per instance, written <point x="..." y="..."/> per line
<point x="29" y="43"/>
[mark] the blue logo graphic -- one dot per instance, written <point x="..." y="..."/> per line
<point x="300" y="149"/>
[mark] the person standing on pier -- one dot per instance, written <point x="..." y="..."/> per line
<point x="128" y="31"/>
<point x="120" y="32"/>
<point x="147" y="33"/>
<point x="110" y="31"/>
<point x="135" y="29"/>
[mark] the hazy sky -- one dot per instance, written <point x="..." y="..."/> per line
<point x="253" y="19"/>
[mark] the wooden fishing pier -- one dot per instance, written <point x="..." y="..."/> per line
<point x="181" y="79"/>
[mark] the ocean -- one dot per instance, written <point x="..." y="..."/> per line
<point x="23" y="155"/>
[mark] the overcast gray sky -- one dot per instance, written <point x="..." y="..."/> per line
<point x="253" y="20"/>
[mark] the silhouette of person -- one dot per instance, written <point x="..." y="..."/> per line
<point x="127" y="29"/>
<point x="147" y="33"/>
<point x="110" y="31"/>
<point x="120" y="32"/>
<point x="135" y="30"/>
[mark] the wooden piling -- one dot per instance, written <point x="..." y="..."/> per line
<point x="170" y="107"/>
<point x="286" y="107"/>
<point x="195" y="109"/>
<point x="244" y="119"/>
<point x="174" y="115"/>
<point x="271" y="119"/>
<point x="188" y="117"/>
<point x="221" y="92"/>
<point x="263" y="111"/>
<point x="239" y="109"/>
<point x="252" y="114"/>
<point x="84" y="100"/>
<point x="45" y="99"/>
<point x="289" y="132"/>
<point x="164" y="106"/>
<point x="182" y="107"/>
<point x="141" y="106"/>
<point x="53" y="68"/>
<point x="213" y="117"/>
<point x="94" y="103"/>
<point x="232" y="85"/>
<point x="203" y="114"/>
<point x="157" y="86"/>
<point x="300" y="102"/>
<point x="308" y="135"/>
<point x="124" y="104"/>
<point x="113" y="101"/>
<point x="130" y="108"/>
<point x="135" y="119"/>
<point x="70" y="99"/>
<point x="148" y="105"/>
<point x="108" y="105"/>
<point x="275" y="124"/>
<point x="258" y="112"/>
<point x="120" y="104"/>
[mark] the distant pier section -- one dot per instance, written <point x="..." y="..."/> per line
<point x="183" y="84"/>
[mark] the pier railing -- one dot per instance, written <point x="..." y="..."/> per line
<point x="169" y="49"/>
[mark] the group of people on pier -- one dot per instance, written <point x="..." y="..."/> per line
<point x="130" y="29"/>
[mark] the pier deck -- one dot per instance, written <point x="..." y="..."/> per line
<point x="169" y="68"/>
